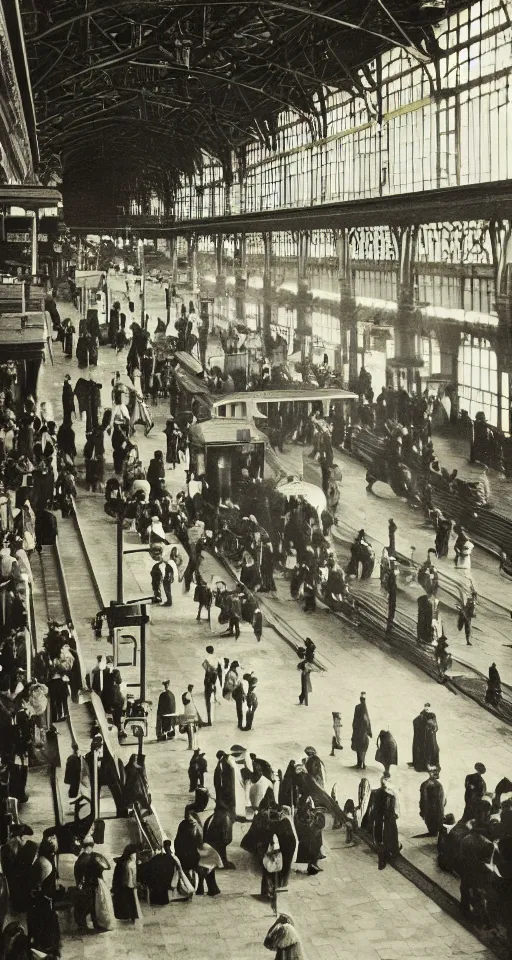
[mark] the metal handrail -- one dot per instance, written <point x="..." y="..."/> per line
<point x="68" y="611"/>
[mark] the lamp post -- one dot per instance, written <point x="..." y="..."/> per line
<point x="34" y="247"/>
<point x="143" y="619"/>
<point x="120" y="550"/>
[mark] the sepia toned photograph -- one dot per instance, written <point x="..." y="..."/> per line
<point x="255" y="480"/>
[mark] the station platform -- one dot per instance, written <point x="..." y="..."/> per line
<point x="361" y="509"/>
<point x="350" y="910"/>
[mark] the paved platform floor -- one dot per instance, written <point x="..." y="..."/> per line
<point x="359" y="508"/>
<point x="351" y="910"/>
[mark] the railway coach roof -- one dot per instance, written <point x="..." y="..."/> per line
<point x="278" y="396"/>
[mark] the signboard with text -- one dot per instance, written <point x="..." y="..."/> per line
<point x="25" y="237"/>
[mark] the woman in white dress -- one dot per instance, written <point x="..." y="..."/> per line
<point x="103" y="904"/>
<point x="463" y="548"/>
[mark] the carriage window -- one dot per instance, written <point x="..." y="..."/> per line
<point x="222" y="410"/>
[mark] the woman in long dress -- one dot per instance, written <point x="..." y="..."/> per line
<point x="267" y="565"/>
<point x="136" y="788"/>
<point x="173" y="435"/>
<point x="463" y="548"/>
<point x="387" y="751"/>
<point x="103" y="904"/>
<point x="309" y="824"/>
<point x="425" y="749"/>
<point x="158" y="874"/>
<point x="385" y="830"/>
<point x="315" y="766"/>
<point x="124" y="886"/>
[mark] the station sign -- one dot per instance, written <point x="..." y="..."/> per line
<point x="25" y="237"/>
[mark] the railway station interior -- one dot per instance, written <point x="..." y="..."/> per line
<point x="255" y="480"/>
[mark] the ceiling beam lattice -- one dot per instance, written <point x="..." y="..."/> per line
<point x="155" y="84"/>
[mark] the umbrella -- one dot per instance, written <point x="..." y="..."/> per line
<point x="299" y="488"/>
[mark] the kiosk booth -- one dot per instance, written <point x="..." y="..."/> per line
<point x="221" y="449"/>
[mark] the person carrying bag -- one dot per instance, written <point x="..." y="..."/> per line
<point x="272" y="868"/>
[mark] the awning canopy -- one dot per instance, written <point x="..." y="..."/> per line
<point x="22" y="342"/>
<point x="29" y="196"/>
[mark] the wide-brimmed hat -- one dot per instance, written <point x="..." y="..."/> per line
<point x="21" y="830"/>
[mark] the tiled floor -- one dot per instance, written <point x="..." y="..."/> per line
<point x="350" y="910"/>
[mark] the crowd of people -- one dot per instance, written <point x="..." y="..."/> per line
<point x="264" y="533"/>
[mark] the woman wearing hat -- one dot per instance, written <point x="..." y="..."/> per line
<point x="124" y="886"/>
<point x="385" y="830"/>
<point x="156" y="474"/>
<point x="93" y="895"/>
<point x="198" y="859"/>
<point x="249" y="572"/>
<point x="218" y="832"/>
<point x="475" y="789"/>
<point x="463" y="548"/>
<point x="251" y="700"/>
<point x="425" y="751"/>
<point x="17" y="856"/>
<point x="173" y="435"/>
<point x="267" y="565"/>
<point x="315" y="766"/>
<point x="432" y="802"/>
<point x="136" y="787"/>
<point x="387" y="751"/>
<point x="164" y="873"/>
<point x="309" y="823"/>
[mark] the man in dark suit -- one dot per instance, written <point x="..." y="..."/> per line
<point x="162" y="577"/>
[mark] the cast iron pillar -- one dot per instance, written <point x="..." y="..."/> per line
<point x="192" y="262"/>
<point x="348" y="310"/>
<point x="500" y="233"/>
<point x="267" y="290"/>
<point x="172" y="250"/>
<point x="304" y="328"/>
<point x="220" y="279"/>
<point x="408" y="355"/>
<point x="240" y="276"/>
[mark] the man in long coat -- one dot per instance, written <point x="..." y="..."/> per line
<point x="425" y="751"/>
<point x="432" y="802"/>
<point x="165" y="723"/>
<point x="68" y="400"/>
<point x="361" y="732"/>
<point x="224" y="784"/>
